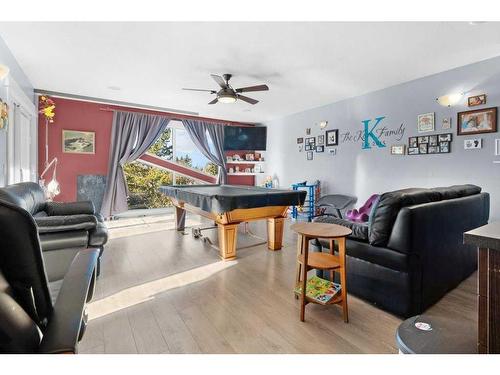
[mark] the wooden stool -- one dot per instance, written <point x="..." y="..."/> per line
<point x="321" y="261"/>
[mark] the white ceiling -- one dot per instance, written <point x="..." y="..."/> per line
<point x="305" y="65"/>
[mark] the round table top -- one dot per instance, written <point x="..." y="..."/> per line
<point x="321" y="230"/>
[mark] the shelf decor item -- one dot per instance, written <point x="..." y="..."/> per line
<point x="78" y="142"/>
<point x="425" y="122"/>
<point x="477" y="121"/>
<point x="332" y="137"/>
<point x="473" y="101"/>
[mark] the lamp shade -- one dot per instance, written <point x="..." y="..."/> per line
<point x="449" y="99"/>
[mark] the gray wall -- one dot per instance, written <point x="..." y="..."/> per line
<point x="363" y="172"/>
<point x="6" y="58"/>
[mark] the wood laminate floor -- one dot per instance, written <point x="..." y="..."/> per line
<point x="164" y="292"/>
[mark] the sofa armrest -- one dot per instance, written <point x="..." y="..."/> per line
<point x="63" y="331"/>
<point x="69" y="208"/>
<point x="51" y="224"/>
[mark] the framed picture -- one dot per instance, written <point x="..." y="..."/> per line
<point x="433" y="150"/>
<point x="300" y="140"/>
<point x="473" y="101"/>
<point x="446" y="124"/>
<point x="444" y="137"/>
<point x="332" y="137"/>
<point x="320" y="148"/>
<point x="425" y="122"/>
<point x="333" y="151"/>
<point x="424" y="139"/>
<point x="4" y="115"/>
<point x="433" y="140"/>
<point x="422" y="148"/>
<point x="321" y="139"/>
<point x="477" y="121"/>
<point x="412" y="142"/>
<point x="412" y="150"/>
<point x="444" y="147"/>
<point x="308" y="131"/>
<point x="398" y="149"/>
<point x="307" y="147"/>
<point x="473" y="144"/>
<point x="309" y="155"/>
<point x="78" y="142"/>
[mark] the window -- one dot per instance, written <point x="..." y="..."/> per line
<point x="144" y="180"/>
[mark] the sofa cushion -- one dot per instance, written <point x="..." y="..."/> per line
<point x="359" y="230"/>
<point x="51" y="224"/>
<point x="457" y="191"/>
<point x="70" y="208"/>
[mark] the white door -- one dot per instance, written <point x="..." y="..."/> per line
<point x="22" y="144"/>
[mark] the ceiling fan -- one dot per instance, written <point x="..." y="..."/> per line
<point x="227" y="94"/>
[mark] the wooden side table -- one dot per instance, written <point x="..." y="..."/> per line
<point x="322" y="261"/>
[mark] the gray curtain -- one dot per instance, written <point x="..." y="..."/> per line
<point x="198" y="130"/>
<point x="131" y="136"/>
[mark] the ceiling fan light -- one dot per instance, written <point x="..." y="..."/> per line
<point x="226" y="99"/>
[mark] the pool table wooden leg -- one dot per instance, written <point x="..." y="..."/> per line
<point x="228" y="234"/>
<point x="180" y="218"/>
<point x="275" y="232"/>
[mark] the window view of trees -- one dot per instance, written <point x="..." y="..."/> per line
<point x="144" y="180"/>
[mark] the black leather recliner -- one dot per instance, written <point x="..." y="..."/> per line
<point x="64" y="228"/>
<point x="411" y="251"/>
<point x="30" y="322"/>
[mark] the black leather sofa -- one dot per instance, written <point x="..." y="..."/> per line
<point x="64" y="228"/>
<point x="30" y="320"/>
<point x="411" y="251"/>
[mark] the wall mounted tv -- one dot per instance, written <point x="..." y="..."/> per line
<point x="251" y="138"/>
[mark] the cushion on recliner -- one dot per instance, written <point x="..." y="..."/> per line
<point x="27" y="195"/>
<point x="359" y="230"/>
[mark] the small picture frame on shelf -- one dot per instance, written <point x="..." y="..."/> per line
<point x="249" y="157"/>
<point x="320" y="148"/>
<point x="310" y="155"/>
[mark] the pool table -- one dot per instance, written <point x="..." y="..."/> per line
<point x="230" y="205"/>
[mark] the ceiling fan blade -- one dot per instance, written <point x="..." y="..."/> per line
<point x="211" y="91"/>
<point x="253" y="88"/>
<point x="213" y="101"/>
<point x="247" y="99"/>
<point x="220" y="81"/>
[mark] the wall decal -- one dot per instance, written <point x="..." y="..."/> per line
<point x="382" y="133"/>
<point x="300" y="148"/>
<point x="477" y="121"/>
<point x="446" y="124"/>
<point x="368" y="133"/>
<point x="332" y="137"/>
<point x="425" y="122"/>
<point x="476" y="100"/>
<point x="473" y="144"/>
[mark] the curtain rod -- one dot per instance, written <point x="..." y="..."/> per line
<point x="176" y="114"/>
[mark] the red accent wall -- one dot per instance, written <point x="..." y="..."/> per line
<point x="75" y="115"/>
<point x="86" y="116"/>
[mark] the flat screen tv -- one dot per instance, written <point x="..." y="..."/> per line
<point x="252" y="138"/>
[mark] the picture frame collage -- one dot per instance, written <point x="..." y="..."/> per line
<point x="430" y="144"/>
<point x="317" y="144"/>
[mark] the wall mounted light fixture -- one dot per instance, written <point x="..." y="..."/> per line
<point x="4" y="71"/>
<point x="450" y="99"/>
<point x="323" y="124"/>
